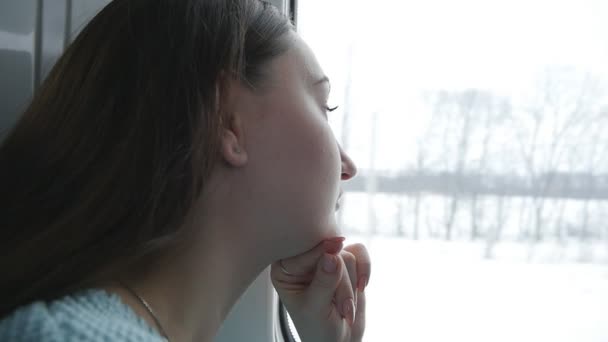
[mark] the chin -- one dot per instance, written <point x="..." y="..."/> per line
<point x="304" y="238"/>
<point x="311" y="229"/>
<point x="331" y="228"/>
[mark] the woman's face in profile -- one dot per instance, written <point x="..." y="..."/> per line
<point x="294" y="162"/>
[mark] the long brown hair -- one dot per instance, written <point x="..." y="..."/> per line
<point x="117" y="143"/>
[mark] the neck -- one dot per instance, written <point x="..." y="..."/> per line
<point x="193" y="290"/>
<point x="192" y="293"/>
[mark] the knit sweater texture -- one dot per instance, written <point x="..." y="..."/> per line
<point x="89" y="315"/>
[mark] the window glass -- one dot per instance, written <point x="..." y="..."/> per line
<point x="479" y="130"/>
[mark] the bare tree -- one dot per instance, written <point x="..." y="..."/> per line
<point x="543" y="129"/>
<point x="423" y="162"/>
<point x="590" y="154"/>
<point x="442" y="110"/>
<point x="493" y="235"/>
<point x="457" y="112"/>
<point x="371" y="186"/>
<point x="347" y="112"/>
<point x="491" y="112"/>
<point x="462" y="119"/>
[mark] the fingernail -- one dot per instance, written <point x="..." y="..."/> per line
<point x="362" y="283"/>
<point x="348" y="310"/>
<point x="338" y="239"/>
<point x="333" y="246"/>
<point x="329" y="263"/>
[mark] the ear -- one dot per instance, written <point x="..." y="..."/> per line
<point x="232" y="140"/>
<point x="232" y="145"/>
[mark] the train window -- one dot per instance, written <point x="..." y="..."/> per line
<point x="478" y="128"/>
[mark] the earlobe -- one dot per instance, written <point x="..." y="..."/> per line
<point x="233" y="151"/>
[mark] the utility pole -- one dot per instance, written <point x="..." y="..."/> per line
<point x="346" y="116"/>
<point x="371" y="186"/>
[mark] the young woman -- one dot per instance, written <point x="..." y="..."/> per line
<point x="176" y="150"/>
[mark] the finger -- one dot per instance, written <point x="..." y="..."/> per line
<point x="328" y="293"/>
<point x="364" y="266"/>
<point x="286" y="283"/>
<point x="345" y="296"/>
<point x="350" y="261"/>
<point x="322" y="289"/>
<point x="359" y="327"/>
<point x="286" y="280"/>
<point x="306" y="263"/>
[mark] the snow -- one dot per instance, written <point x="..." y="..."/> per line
<point x="440" y="291"/>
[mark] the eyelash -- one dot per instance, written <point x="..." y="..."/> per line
<point x="329" y="109"/>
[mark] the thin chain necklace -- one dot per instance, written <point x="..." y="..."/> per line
<point x="148" y="308"/>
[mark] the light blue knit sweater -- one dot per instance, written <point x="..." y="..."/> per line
<point x="90" y="315"/>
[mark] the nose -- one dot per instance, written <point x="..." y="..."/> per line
<point x="349" y="169"/>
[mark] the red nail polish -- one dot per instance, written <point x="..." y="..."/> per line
<point x="348" y="311"/>
<point x="332" y="246"/>
<point x="337" y="239"/>
<point x="362" y="283"/>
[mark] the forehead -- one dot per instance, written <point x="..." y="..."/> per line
<point x="299" y="62"/>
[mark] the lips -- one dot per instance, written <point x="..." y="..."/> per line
<point x="338" y="201"/>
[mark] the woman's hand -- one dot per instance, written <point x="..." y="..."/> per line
<point x="323" y="290"/>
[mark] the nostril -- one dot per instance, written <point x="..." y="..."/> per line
<point x="348" y="174"/>
<point x="352" y="169"/>
<point x="349" y="170"/>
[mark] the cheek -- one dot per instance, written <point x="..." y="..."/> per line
<point x="308" y="198"/>
<point x="316" y="157"/>
<point x="324" y="161"/>
<point x="299" y="171"/>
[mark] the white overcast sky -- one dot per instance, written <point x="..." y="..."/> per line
<point x="401" y="47"/>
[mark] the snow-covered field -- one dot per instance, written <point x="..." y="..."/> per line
<point x="445" y="291"/>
